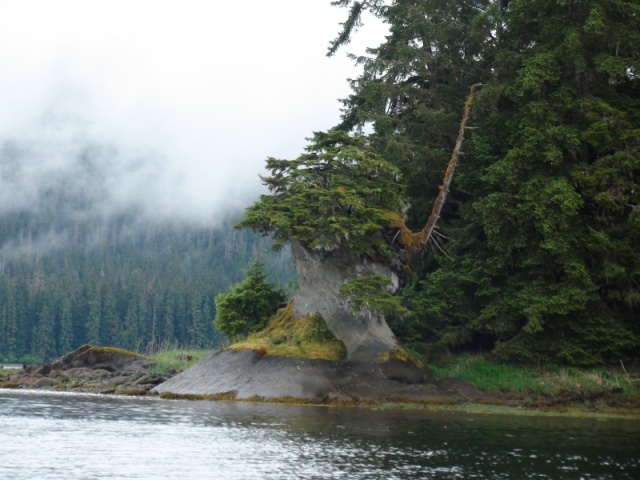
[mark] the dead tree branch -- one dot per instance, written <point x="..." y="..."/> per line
<point x="427" y="231"/>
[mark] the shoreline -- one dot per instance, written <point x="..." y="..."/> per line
<point x="467" y="408"/>
<point x="494" y="406"/>
<point x="248" y="377"/>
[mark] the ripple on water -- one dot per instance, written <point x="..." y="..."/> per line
<point x="62" y="436"/>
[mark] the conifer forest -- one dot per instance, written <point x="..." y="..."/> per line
<point x="535" y="257"/>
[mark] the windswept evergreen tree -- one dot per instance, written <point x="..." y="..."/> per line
<point x="336" y="195"/>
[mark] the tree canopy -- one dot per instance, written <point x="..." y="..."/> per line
<point x="543" y="262"/>
<point x="337" y="194"/>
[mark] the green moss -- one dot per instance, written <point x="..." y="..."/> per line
<point x="133" y="392"/>
<point x="399" y="354"/>
<point x="308" y="337"/>
<point x="113" y="351"/>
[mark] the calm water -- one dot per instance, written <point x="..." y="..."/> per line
<point x="62" y="436"/>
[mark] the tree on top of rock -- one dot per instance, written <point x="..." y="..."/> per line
<point x="336" y="195"/>
<point x="341" y="206"/>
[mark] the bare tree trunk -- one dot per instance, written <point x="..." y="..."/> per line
<point x="427" y="231"/>
<point x="415" y="242"/>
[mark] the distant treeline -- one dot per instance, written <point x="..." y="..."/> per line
<point x="120" y="283"/>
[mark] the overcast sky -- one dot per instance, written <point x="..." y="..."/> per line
<point x="195" y="94"/>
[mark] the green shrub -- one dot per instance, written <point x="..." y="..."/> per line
<point x="250" y="303"/>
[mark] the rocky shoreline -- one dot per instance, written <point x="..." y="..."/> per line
<point x="245" y="375"/>
<point x="249" y="375"/>
<point x="89" y="369"/>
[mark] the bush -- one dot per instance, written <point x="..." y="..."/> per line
<point x="249" y="304"/>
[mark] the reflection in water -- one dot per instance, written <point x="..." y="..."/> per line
<point x="63" y="436"/>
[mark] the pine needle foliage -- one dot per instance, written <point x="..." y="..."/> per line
<point x="543" y="262"/>
<point x="333" y="196"/>
<point x="249" y="304"/>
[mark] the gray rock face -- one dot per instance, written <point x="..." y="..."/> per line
<point x="247" y="374"/>
<point x="320" y="277"/>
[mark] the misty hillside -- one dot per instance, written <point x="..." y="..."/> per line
<point x="82" y="263"/>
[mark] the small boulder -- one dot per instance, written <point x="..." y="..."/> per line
<point x="46" y="382"/>
<point x="151" y="380"/>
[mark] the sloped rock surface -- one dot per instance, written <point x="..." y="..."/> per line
<point x="248" y="375"/>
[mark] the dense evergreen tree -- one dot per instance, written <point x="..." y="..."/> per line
<point x="558" y="185"/>
<point x="249" y="304"/>
<point x="337" y="195"/>
<point x="544" y="215"/>
<point x="414" y="85"/>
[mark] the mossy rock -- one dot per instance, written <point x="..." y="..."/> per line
<point x="399" y="364"/>
<point x="10" y="384"/>
<point x="106" y="358"/>
<point x="284" y="336"/>
<point x="226" y="396"/>
<point x="5" y="374"/>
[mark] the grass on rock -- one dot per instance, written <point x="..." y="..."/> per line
<point x="175" y="360"/>
<point x="284" y="336"/>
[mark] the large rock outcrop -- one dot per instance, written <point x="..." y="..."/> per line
<point x="365" y="334"/>
<point x="251" y="375"/>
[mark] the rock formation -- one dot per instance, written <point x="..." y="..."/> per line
<point x="365" y="334"/>
<point x="90" y="369"/>
<point x="249" y="375"/>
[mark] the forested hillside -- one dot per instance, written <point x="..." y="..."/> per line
<point x="77" y="267"/>
<point x="539" y="254"/>
<point x="109" y="285"/>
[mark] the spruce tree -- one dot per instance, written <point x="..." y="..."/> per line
<point x="249" y="304"/>
<point x="545" y="260"/>
<point x="94" y="319"/>
<point x="66" y="337"/>
<point x="543" y="216"/>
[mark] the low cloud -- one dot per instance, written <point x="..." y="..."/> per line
<point x="163" y="108"/>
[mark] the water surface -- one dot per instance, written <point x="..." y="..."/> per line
<point x="67" y="436"/>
